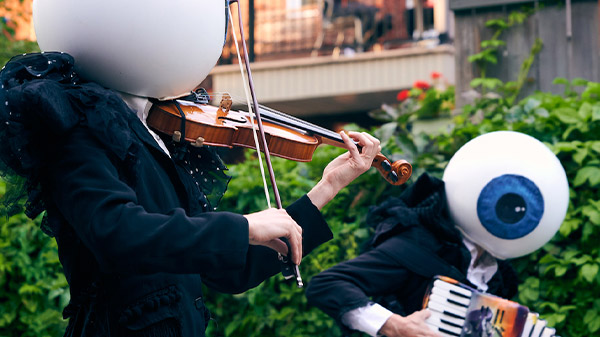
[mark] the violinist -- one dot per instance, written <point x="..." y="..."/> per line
<point x="133" y="212"/>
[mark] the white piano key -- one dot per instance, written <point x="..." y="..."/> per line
<point x="452" y="287"/>
<point x="442" y="331"/>
<point x="447" y="294"/>
<point x="532" y="318"/>
<point x="439" y="307"/>
<point x="446" y="328"/>
<point x="444" y="324"/>
<point x="449" y="320"/>
<point x="538" y="328"/>
<point x="548" y="332"/>
<point x="444" y="301"/>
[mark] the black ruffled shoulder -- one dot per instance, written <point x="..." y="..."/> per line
<point x="421" y="204"/>
<point x="42" y="99"/>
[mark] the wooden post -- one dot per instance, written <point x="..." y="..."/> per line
<point x="419" y="25"/>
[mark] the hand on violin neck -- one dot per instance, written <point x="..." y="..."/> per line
<point x="345" y="168"/>
<point x="266" y="227"/>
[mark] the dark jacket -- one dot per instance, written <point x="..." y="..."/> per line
<point x="392" y="272"/>
<point x="132" y="225"/>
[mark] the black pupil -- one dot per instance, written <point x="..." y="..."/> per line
<point x="510" y="208"/>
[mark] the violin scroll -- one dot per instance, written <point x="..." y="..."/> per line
<point x="396" y="173"/>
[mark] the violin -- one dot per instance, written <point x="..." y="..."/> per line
<point x="287" y="136"/>
<point x="283" y="135"/>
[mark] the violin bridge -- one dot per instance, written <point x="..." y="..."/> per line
<point x="224" y="108"/>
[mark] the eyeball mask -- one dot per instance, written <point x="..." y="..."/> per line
<point x="507" y="192"/>
<point x="149" y="48"/>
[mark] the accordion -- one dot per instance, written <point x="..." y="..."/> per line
<point x="461" y="311"/>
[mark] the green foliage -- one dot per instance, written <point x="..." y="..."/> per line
<point x="33" y="289"/>
<point x="9" y="47"/>
<point x="490" y="49"/>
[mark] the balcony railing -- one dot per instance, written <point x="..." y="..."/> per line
<point x="310" y="61"/>
<point x="300" y="28"/>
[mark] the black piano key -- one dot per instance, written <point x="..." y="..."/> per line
<point x="457" y="303"/>
<point x="448" y="332"/>
<point x="450" y="323"/>
<point x="453" y="292"/>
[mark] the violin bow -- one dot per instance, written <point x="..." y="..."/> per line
<point x="288" y="268"/>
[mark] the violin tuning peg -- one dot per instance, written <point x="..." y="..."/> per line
<point x="177" y="136"/>
<point x="386" y="165"/>
<point x="393" y="176"/>
<point x="199" y="142"/>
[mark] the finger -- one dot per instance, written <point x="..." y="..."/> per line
<point x="296" y="243"/>
<point x="372" y="145"/>
<point x="361" y="139"/>
<point x="375" y="141"/>
<point x="425" y="313"/>
<point x="277" y="245"/>
<point x="350" y="145"/>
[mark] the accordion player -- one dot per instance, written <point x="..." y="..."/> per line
<point x="503" y="195"/>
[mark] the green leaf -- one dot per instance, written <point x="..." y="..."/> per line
<point x="580" y="155"/>
<point x="589" y="272"/>
<point x="595" y="145"/>
<point x="492" y="44"/>
<point x="29" y="289"/>
<point x="560" y="271"/>
<point x="594" y="325"/>
<point x="566" y="115"/>
<point x="547" y="259"/>
<point x="560" y="80"/>
<point x="565" y="146"/>
<point x="580" y="82"/>
<point x="596" y="112"/>
<point x="592" y="213"/>
<point x="531" y="104"/>
<point x="496" y="23"/>
<point x="585" y="111"/>
<point x="590" y="174"/>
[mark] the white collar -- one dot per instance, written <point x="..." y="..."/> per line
<point x="482" y="267"/>
<point x="141" y="106"/>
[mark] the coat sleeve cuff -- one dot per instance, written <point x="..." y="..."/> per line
<point x="315" y="230"/>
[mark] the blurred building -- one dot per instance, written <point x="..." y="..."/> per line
<point x="337" y="59"/>
<point x="16" y="19"/>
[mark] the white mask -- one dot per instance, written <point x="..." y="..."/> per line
<point x="507" y="192"/>
<point x="159" y="49"/>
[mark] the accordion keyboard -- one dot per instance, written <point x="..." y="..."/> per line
<point x="461" y="311"/>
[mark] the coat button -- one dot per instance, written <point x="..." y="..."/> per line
<point x="198" y="303"/>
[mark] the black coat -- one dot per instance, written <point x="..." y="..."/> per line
<point x="392" y="272"/>
<point x="134" y="235"/>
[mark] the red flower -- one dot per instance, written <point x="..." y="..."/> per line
<point x="402" y="95"/>
<point x="421" y="85"/>
<point x="435" y="75"/>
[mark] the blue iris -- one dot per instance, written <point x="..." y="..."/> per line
<point x="510" y="206"/>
